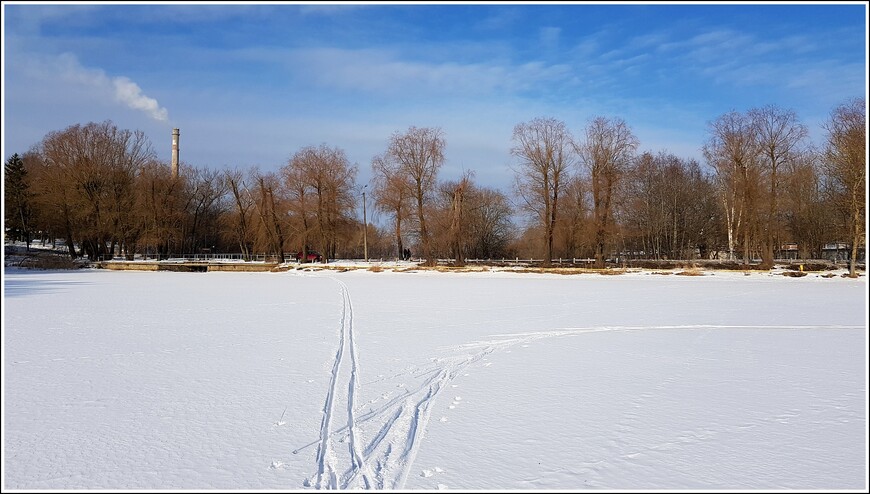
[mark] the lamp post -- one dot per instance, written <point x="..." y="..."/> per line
<point x="365" y="227"/>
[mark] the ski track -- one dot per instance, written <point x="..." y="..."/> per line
<point x="329" y="454"/>
<point x="386" y="460"/>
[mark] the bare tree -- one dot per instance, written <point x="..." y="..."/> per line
<point x="159" y="209"/>
<point x="543" y="147"/>
<point x="419" y="154"/>
<point x="489" y="227"/>
<point x="574" y="218"/>
<point x="205" y="192"/>
<point x="846" y="165"/>
<point x="239" y="220"/>
<point x="808" y="215"/>
<point x="606" y="153"/>
<point x="328" y="175"/>
<point x="392" y="192"/>
<point x="732" y="150"/>
<point x="269" y="206"/>
<point x="89" y="174"/>
<point x="669" y="213"/>
<point x="780" y="137"/>
<point x="52" y="193"/>
<point x="299" y="198"/>
<point x="646" y="217"/>
<point x="458" y="192"/>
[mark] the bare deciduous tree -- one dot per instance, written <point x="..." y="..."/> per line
<point x="458" y="192"/>
<point x="490" y="228"/>
<point x="159" y="209"/>
<point x="270" y="207"/>
<point x="419" y="154"/>
<point x="807" y="215"/>
<point x="669" y="213"/>
<point x="573" y="222"/>
<point x="732" y="150"/>
<point x="392" y="193"/>
<point x="846" y="165"/>
<point x="606" y="152"/>
<point x="780" y="137"/>
<point x="239" y="221"/>
<point x="89" y="171"/>
<point x="543" y="147"/>
<point x="325" y="172"/>
<point x="205" y="192"/>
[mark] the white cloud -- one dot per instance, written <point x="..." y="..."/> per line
<point x="67" y="67"/>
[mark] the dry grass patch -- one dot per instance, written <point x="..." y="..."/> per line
<point x="565" y="271"/>
<point x="691" y="272"/>
<point x="612" y="272"/>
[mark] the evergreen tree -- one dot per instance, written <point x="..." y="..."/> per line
<point x="17" y="209"/>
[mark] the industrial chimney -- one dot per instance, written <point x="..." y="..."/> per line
<point x="175" y="135"/>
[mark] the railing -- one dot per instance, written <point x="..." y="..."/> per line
<point x="238" y="257"/>
<point x="202" y="258"/>
<point x="520" y="261"/>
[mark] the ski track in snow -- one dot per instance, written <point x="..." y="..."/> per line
<point x="385" y="461"/>
<point x="328" y="452"/>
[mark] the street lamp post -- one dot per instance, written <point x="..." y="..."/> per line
<point x="365" y="227"/>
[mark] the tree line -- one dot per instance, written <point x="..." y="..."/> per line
<point x="104" y="192"/>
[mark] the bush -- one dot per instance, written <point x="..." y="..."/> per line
<point x="47" y="261"/>
<point x="794" y="274"/>
<point x="812" y="266"/>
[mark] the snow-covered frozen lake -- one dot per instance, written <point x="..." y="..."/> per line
<point x="158" y="380"/>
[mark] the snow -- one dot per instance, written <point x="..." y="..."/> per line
<point x="425" y="381"/>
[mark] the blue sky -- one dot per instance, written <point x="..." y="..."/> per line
<point x="248" y="85"/>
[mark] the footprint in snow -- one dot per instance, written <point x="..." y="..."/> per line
<point x="442" y="487"/>
<point x="443" y="419"/>
<point x="428" y="473"/>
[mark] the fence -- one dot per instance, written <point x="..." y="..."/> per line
<point x="270" y="258"/>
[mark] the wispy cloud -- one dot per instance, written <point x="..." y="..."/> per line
<point x="67" y="67"/>
<point x="384" y="72"/>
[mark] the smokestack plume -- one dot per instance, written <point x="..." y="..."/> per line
<point x="175" y="135"/>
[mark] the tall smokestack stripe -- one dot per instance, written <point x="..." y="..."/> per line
<point x="175" y="135"/>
